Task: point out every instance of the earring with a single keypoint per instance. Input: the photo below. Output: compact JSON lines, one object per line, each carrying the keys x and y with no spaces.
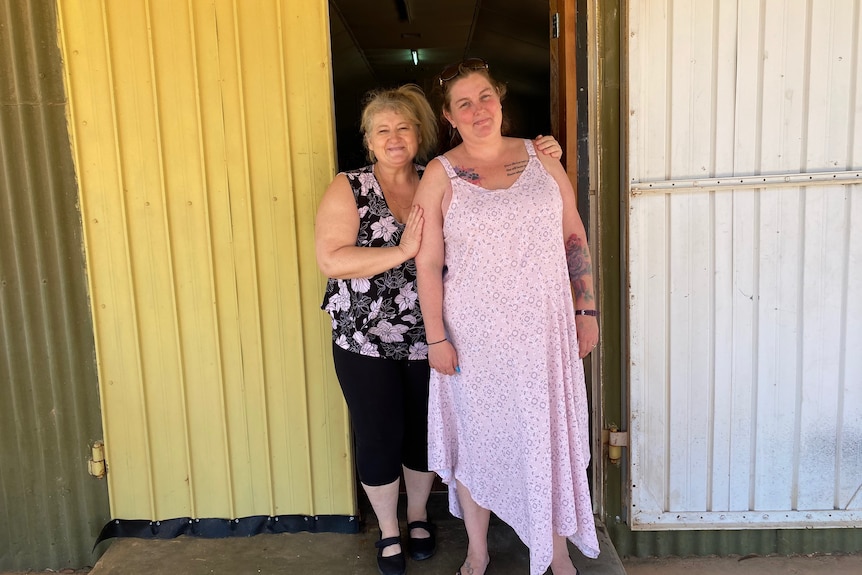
{"x":454,"y":136}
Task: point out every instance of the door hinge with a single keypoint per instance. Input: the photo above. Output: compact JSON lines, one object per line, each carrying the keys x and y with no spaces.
{"x":96,"y":465}
{"x":615,"y":440}
{"x":555,"y":26}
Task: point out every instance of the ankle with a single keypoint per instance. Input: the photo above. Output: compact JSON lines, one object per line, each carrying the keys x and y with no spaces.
{"x":562,"y":565}
{"x":475,"y":564}
{"x":418,"y":515}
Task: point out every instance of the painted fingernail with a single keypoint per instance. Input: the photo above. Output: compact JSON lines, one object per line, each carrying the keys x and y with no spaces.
{"x":457,"y":369}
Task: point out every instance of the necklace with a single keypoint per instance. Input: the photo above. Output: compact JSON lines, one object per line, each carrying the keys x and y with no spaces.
{"x":394,"y":200}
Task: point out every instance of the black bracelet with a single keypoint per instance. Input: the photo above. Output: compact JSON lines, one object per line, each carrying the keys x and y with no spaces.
{"x":591,"y":312}
{"x":436,"y":342}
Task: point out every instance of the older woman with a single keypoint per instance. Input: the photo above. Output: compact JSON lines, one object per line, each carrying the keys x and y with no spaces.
{"x":503,"y":251}
{"x":367,"y":233}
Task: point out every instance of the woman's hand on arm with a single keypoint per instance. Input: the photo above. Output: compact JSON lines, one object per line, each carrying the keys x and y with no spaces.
{"x":434,"y":190}
{"x":336,"y":229}
{"x":578,"y":259}
{"x":549,"y":146}
{"x":411,"y":237}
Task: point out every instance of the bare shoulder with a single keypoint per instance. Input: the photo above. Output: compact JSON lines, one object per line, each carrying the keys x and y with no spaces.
{"x":339,"y":184}
{"x":338,"y":199}
{"x":433,"y":191}
{"x":338,"y":190}
{"x":515,"y":143}
{"x":434,"y":175}
{"x":454,"y":156}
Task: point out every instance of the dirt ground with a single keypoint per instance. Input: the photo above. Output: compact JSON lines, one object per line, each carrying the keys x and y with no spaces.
{"x":756,"y":565}
{"x":82,"y":571}
{"x":749,"y":565}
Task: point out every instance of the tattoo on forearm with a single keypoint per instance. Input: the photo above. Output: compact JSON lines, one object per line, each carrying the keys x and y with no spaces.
{"x":468,"y":174}
{"x":578,"y":259}
{"x":516,"y":167}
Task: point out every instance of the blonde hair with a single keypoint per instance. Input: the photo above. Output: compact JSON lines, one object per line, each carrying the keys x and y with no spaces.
{"x":409,"y":101}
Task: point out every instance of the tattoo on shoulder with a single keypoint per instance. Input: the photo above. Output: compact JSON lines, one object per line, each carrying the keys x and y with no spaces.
{"x":468,"y":174}
{"x":516,"y":167}
{"x":578,"y":260}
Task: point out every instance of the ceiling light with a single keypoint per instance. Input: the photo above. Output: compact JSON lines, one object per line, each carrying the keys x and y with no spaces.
{"x":415,"y":55}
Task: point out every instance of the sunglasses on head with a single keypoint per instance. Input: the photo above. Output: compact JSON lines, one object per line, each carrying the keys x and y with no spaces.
{"x":453,"y":70}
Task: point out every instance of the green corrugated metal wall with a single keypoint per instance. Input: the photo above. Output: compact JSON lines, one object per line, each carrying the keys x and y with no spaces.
{"x":51,"y":509}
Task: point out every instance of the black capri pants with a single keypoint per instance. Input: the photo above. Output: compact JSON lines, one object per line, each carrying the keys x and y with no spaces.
{"x":388,"y":404}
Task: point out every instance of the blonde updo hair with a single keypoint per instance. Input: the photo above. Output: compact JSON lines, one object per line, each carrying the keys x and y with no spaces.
{"x":409,"y":101}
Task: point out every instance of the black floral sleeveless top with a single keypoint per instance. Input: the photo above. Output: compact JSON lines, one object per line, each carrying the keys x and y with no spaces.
{"x":377,"y":316}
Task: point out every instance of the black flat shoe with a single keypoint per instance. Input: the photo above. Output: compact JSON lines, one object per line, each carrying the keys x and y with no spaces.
{"x":422,"y":549}
{"x":394,"y":564}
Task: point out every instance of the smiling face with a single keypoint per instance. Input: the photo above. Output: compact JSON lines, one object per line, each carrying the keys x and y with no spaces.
{"x":393,"y":140}
{"x":474,"y":106}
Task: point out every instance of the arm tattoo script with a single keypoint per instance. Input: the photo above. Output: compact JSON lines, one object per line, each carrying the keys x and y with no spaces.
{"x":468,"y":174}
{"x":577,"y":258}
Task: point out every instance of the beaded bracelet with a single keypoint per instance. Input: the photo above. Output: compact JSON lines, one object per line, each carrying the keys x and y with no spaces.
{"x":591,"y":312}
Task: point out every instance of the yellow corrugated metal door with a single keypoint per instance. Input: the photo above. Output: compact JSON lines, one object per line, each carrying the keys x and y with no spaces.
{"x":203,"y":138}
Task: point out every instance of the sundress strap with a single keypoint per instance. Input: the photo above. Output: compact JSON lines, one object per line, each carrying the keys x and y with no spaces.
{"x":450,"y":171}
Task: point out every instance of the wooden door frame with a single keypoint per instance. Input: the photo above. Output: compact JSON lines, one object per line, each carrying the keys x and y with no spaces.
{"x":566,"y":125}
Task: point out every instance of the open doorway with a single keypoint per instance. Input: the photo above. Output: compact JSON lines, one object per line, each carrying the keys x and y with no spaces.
{"x":373,"y":43}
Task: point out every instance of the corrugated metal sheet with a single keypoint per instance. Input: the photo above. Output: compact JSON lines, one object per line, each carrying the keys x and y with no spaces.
{"x":51,"y":510}
{"x":203,"y":138}
{"x":746,"y":381}
{"x":734,"y":542}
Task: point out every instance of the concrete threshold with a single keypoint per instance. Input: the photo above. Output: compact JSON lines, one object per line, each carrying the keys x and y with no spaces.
{"x":330,"y":553}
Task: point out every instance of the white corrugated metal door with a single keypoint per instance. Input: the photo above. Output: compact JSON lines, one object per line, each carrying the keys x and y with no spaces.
{"x":745,"y":263}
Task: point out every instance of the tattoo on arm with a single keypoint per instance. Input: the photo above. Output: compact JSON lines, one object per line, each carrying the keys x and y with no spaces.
{"x":468,"y":174}
{"x":578,"y":259}
{"x":516,"y":167}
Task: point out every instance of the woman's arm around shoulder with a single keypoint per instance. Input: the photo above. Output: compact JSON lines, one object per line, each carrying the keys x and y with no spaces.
{"x":337,"y":227}
{"x":548,"y":145}
{"x":578,"y":257}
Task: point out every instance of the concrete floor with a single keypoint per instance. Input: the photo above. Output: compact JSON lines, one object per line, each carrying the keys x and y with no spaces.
{"x":330,"y":553}
{"x":335,"y":554}
{"x":353,"y":554}
{"x":324,"y":553}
